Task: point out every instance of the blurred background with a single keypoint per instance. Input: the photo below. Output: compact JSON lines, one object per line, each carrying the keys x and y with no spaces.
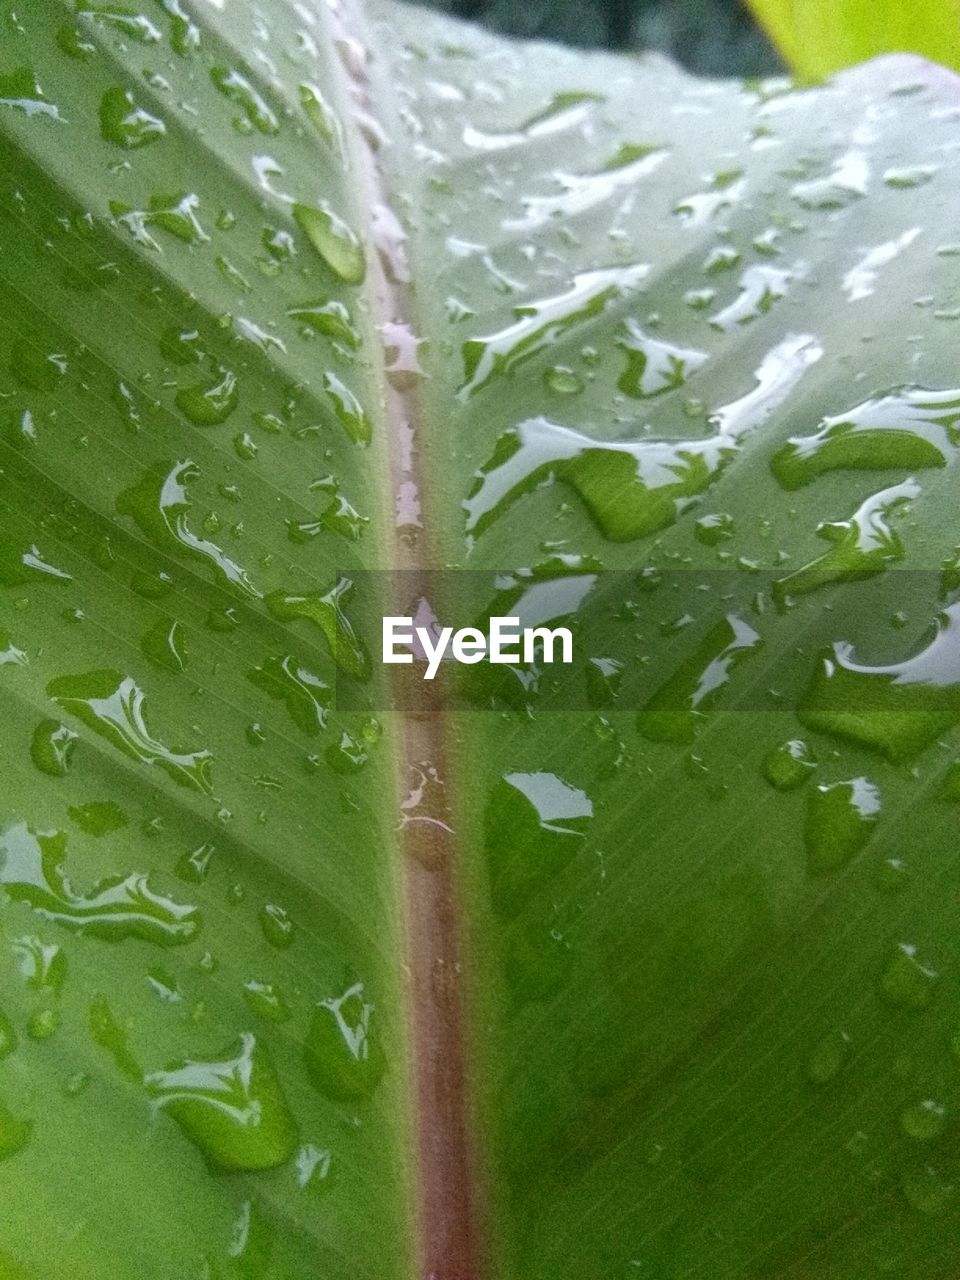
{"x":712,"y":37}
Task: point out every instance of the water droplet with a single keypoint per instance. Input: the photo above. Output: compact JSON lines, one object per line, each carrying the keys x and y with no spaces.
{"x":164,"y":985}
{"x":714,"y":528}
{"x":332,"y":319}
{"x":314,"y":1169}
{"x":245,"y":447}
{"x":342,"y":518}
{"x":891,"y":876}
{"x":540,"y":325}
{"x":159,"y":505}
{"x":722,"y":258}
{"x":860,"y":281}
{"x":232,"y":1108}
{"x":862,"y":546}
{"x":703,"y":207}
{"x":35,"y":368}
{"x":907,"y":429}
{"x":841,"y":817}
{"x":336,"y":243}
{"x":175,"y":214}
{"x":126,"y":124}
{"x":71,"y":40}
{"x":305,"y":695}
{"x":563,"y":111}
{"x":350,"y":413}
{"x":43,"y":1024}
{"x":924,"y":1120}
{"x":326,"y":612}
{"x":604,"y":677}
{"x":563,"y":380}
{"x":321,"y":115}
{"x":926,"y":1189}
{"x":909,"y":176}
{"x":905,"y":981}
{"x":194,"y":867}
{"x":654,"y":367}
{"x":896,"y":709}
{"x":827,"y":1058}
{"x":789,"y":765}
{"x":760,"y":287}
{"x":164,"y":645}
{"x":278,"y":928}
{"x":117,"y":907}
{"x":344,"y":1059}
{"x":845,"y":183}
{"x":674,"y":712}
{"x":21,"y":90}
{"x":52,"y":747}
{"x":184,"y":32}
{"x":242,"y":93}
{"x":208,"y":406}
{"x":118,"y":16}
{"x":114,"y":706}
{"x":534,"y":824}
{"x":10,"y":655}
{"x":580,"y":192}
{"x":267,"y":1000}
{"x":42,"y":965}
{"x":347,"y":755}
{"x":21,"y":565}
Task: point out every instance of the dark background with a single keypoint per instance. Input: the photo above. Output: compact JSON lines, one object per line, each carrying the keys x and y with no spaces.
{"x":712,"y":37}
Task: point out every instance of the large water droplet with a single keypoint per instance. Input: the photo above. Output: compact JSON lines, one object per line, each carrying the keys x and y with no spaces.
{"x":841,"y":817}
{"x":208,"y":406}
{"x":906,"y":981}
{"x":336,"y":243}
{"x":115,"y":908}
{"x":21,"y":90}
{"x":114,"y":706}
{"x":539,"y":325}
{"x":164,"y":645}
{"x":923,"y":1120}
{"x":52,"y":746}
{"x":125,"y":123}
{"x":674,"y":711}
{"x":326,"y":612}
{"x":350,"y":412}
{"x":908,"y":429}
{"x":862,"y":546}
{"x":231,"y":1108}
{"x":789,"y":765}
{"x":277,"y":925}
{"x":534,"y":824}
{"x":305,"y":695}
{"x":241,"y":92}
{"x":332,"y":319}
{"x":159,"y":505}
{"x":344,"y":1059}
{"x":654,"y":367}
{"x":898,"y":708}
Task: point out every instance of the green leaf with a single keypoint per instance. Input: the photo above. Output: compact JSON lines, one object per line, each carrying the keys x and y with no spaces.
{"x":647,"y":964}
{"x":818,"y":37}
